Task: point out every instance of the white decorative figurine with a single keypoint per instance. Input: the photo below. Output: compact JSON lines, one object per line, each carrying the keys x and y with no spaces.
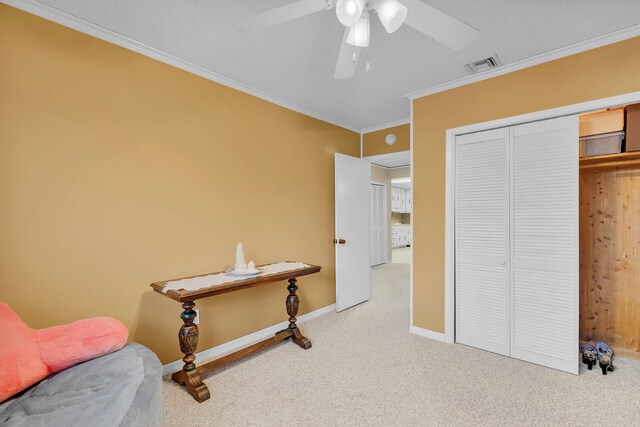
{"x":241,"y":264}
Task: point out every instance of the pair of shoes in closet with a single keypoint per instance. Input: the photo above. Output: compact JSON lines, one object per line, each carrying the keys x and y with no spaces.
{"x":601,"y":353}
{"x":605,"y":357}
{"x":589,"y":355}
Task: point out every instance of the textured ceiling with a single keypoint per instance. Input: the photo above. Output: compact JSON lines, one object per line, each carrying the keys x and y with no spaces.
{"x":391,"y":160}
{"x":295,"y":60}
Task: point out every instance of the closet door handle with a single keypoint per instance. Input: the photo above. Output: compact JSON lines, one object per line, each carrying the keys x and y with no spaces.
{"x":503,"y":262}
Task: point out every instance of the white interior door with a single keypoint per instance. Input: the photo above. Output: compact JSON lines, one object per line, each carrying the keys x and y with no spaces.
{"x":378,"y":225}
{"x":482,"y":240}
{"x":545,"y":255}
{"x":352,"y":200}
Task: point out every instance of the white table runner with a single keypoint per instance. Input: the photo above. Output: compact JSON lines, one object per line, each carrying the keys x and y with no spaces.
{"x":201,"y":282}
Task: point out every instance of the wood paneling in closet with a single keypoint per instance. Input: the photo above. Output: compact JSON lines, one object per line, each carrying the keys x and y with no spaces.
{"x":610,"y":259}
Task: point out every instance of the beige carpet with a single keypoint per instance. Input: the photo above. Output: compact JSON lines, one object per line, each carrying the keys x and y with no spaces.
{"x":365,"y":369}
{"x":401,"y":255}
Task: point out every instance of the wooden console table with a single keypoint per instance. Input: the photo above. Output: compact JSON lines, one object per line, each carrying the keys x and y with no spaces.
{"x":189,"y":375}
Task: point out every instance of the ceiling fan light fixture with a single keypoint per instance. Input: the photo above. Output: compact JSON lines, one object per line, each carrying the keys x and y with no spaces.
{"x":349,"y":11}
{"x":359,"y":33}
{"x":392,"y":14}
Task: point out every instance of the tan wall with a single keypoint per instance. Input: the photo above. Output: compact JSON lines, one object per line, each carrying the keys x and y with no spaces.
{"x":117,"y":170}
{"x":400,"y":172}
{"x":603,"y":72}
{"x":381,"y":175}
{"x":373,"y":143}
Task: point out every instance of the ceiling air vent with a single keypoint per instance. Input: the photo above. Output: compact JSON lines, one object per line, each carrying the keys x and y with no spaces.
{"x":484,"y":64}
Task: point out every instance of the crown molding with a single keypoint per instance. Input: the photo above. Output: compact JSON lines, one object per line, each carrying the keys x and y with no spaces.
{"x":583,"y":46}
{"x":63,"y":18}
{"x":386,"y":125}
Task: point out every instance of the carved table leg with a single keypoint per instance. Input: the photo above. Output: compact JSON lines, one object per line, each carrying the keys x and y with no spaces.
{"x":292,"y":303}
{"x":188,"y":338}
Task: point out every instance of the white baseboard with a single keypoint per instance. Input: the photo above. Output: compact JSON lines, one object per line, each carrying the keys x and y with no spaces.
{"x":244,"y":341}
{"x":437,"y":336}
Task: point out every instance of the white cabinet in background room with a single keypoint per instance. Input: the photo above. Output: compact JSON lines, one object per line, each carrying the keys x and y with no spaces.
{"x":397,"y":199}
{"x":400,"y":200}
{"x":400,"y":235}
{"x":394,"y":199}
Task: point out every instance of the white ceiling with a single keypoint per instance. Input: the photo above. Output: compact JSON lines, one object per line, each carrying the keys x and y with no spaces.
{"x":391,"y":160}
{"x":295,"y":61}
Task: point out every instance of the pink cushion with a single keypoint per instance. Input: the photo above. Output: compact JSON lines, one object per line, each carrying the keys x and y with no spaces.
{"x":28,"y":356}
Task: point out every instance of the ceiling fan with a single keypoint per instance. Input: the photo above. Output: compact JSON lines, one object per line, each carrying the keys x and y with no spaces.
{"x":355,"y":14}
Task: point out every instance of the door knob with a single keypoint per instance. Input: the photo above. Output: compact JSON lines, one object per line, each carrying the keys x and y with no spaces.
{"x":341,"y":241}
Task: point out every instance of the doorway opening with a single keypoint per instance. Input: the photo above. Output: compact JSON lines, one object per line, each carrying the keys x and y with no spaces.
{"x":373,"y":231}
{"x":391,"y":207}
{"x":391,"y":229}
{"x":401,"y":236}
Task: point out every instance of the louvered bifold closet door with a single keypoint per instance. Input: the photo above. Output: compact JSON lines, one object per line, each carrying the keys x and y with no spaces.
{"x":482,"y":240}
{"x":545,"y":243}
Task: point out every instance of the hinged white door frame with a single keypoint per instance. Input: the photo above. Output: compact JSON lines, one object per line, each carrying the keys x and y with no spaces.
{"x":614,"y":101}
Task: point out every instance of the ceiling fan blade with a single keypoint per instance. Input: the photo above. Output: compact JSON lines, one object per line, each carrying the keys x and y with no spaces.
{"x":278,"y":15}
{"x":438,"y":25}
{"x":346,"y":66}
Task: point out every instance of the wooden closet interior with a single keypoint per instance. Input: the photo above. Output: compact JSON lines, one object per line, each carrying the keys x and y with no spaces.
{"x":610,"y":230}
